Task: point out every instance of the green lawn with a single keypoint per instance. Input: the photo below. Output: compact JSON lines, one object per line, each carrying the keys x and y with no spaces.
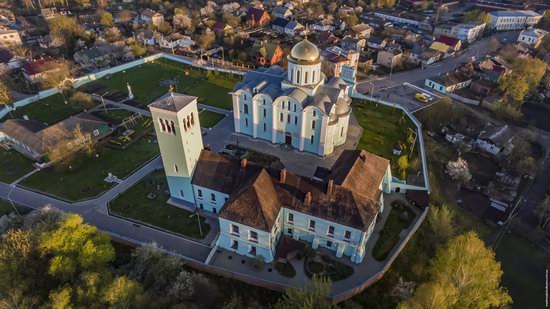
{"x":113,"y":116}
{"x":84,"y":177}
{"x":383,"y":127}
{"x":524,"y":267}
{"x":209,"y":119}
{"x":389,"y":236}
{"x":13,"y":165}
{"x":5,"y":208}
{"x":153,"y":210}
{"x":49,"y":110}
{"x":145,"y":82}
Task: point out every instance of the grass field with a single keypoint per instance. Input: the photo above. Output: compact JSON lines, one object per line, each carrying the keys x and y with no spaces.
{"x":145,"y":81}
{"x":209,"y":119}
{"x":5,"y":208}
{"x":13,"y":165}
{"x":84,"y":177}
{"x":49,"y":110}
{"x":137,"y":204}
{"x":113,"y":116}
{"x":524,"y":267}
{"x":389,"y":236}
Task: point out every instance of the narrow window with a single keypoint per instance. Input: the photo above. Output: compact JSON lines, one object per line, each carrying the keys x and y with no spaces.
{"x":330,"y":231}
{"x":281,"y":117}
{"x":313,"y":124}
{"x":162,"y":126}
{"x":305,"y":79}
{"x":265,"y":127}
{"x":290,"y":218}
{"x":176,"y":168}
{"x":347,"y":235}
{"x":288,"y":118}
{"x":234,"y":245}
{"x":283,"y":104}
{"x":311,"y":139}
{"x":253,"y":236}
{"x":246,"y":122}
{"x":246,"y":108}
{"x":199,"y":192}
{"x":264,"y":112}
{"x":342,"y":132}
{"x":234,"y":230}
{"x":295,"y":120}
{"x":192,"y":119}
{"x":329,"y":243}
{"x":291,"y":75}
{"x":289,"y":231}
{"x":252,"y":251}
{"x":294,"y":107}
{"x":298,"y":77}
{"x":181,"y":193}
{"x":173,"y":126}
{"x":288,"y":107}
{"x":313,"y":77}
{"x":312,"y":225}
{"x":314,"y":113}
{"x":213,"y":197}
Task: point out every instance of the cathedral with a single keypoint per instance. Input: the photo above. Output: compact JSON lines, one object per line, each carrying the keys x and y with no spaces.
{"x":300,"y":107}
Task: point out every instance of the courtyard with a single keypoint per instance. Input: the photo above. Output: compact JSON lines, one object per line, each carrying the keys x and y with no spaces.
{"x":83,"y":177}
{"x":210,"y":88}
{"x":145,"y":203}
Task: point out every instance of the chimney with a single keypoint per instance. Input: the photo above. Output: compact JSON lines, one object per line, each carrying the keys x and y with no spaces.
{"x":330,"y":187}
{"x":282,"y":176}
{"x":307,"y":199}
{"x":244,"y":163}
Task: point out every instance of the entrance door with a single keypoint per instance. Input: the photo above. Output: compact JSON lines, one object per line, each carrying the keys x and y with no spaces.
{"x":288,"y":139}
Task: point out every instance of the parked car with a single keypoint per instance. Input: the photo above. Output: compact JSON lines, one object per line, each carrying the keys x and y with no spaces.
{"x":421,"y":97}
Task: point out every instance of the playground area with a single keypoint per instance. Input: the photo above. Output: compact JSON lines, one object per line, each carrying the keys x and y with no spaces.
{"x":211,"y":88}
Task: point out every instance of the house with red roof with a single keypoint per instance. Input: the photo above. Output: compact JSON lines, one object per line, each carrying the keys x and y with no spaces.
{"x":257,"y":17}
{"x":35,"y":70}
{"x":446,"y":45}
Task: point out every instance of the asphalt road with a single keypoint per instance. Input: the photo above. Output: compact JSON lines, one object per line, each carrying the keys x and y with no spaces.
{"x":417,"y":76}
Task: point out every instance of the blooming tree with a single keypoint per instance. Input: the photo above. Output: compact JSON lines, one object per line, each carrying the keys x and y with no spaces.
{"x":459,"y":170}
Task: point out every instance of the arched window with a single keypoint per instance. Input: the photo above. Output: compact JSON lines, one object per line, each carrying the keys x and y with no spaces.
{"x":313,"y":77}
{"x":192,"y":119}
{"x":168,"y":127}
{"x":246,"y":108}
{"x":173,"y":126}
{"x":298,"y":77}
{"x":162,"y":125}
{"x":305,"y":79}
{"x":292,"y":75}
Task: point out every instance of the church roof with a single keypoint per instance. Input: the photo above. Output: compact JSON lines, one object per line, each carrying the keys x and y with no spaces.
{"x":173,"y":102}
{"x":305,"y":51}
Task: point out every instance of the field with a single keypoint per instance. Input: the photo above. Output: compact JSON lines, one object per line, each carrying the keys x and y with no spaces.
{"x":13,"y":165}
{"x":146,"y":203}
{"x":49,"y":110}
{"x":149,"y":81}
{"x":209,"y":119}
{"x":84,"y":176}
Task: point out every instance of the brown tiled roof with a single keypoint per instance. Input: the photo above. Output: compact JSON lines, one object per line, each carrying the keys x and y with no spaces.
{"x":257,"y":195}
{"x":360,"y":171}
{"x":42,"y":139}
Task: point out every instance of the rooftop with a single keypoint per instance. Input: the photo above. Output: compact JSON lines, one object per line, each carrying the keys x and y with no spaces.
{"x":173,"y":102}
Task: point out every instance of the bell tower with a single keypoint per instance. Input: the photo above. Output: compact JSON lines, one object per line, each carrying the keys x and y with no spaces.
{"x":176,"y":121}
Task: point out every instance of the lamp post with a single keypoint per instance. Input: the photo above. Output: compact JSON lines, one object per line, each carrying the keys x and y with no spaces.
{"x":198,"y":220}
{"x":11,"y":202}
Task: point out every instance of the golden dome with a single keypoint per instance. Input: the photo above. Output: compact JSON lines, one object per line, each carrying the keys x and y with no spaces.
{"x":305,"y":51}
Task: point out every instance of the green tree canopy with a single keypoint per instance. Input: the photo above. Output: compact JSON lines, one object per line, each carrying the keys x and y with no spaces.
{"x":314,"y":296}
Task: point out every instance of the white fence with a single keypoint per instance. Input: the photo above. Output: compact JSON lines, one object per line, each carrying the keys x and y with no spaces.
{"x":79,"y":81}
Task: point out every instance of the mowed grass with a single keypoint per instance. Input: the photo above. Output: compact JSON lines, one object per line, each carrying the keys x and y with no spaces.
{"x":524,"y":266}
{"x":146,"y":79}
{"x":209,"y":119}
{"x":84,"y":177}
{"x":389,"y":235}
{"x":49,"y":110}
{"x":13,"y":165}
{"x":146,"y":202}
{"x":383,"y":127}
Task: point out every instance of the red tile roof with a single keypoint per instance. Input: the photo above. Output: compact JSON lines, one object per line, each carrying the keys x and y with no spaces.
{"x":448,"y":41}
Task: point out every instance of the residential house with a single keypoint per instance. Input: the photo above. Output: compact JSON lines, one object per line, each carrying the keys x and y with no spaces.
{"x":389,"y":57}
{"x":93,"y":57}
{"x":446,"y":45}
{"x":443,"y":29}
{"x":532,"y":36}
{"x":362,"y":30}
{"x":326,"y":38}
{"x":8,"y":61}
{"x":492,"y":69}
{"x":175,"y":40}
{"x":293,"y":28}
{"x":266,"y":53}
{"x":49,"y":41}
{"x":376,"y":42}
{"x":334,"y":58}
{"x":421,"y":55}
{"x":36,"y":140}
{"x":279,"y":24}
{"x":222,"y":29}
{"x":282,"y":12}
{"x":324,"y":25}
{"x":257,"y":17}
{"x":401,"y":17}
{"x":356,"y":44}
{"x":34,"y":71}
{"x":49,"y":13}
{"x":151,"y":17}
{"x":468,"y":32}
{"x":147,"y":37}
{"x":449,"y":82}
{"x":513,"y":20}
{"x":9,"y":37}
{"x":497,"y":140}
{"x":483,"y":87}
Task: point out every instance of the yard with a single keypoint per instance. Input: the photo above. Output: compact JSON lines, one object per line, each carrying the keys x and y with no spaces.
{"x":209,"y":119}
{"x":383,"y":128}
{"x":13,"y":165}
{"x":114,"y":116}
{"x":483,"y":168}
{"x":84,"y":177}
{"x":49,"y":110}
{"x":146,"y":203}
{"x":524,"y":267}
{"x":400,"y":218}
{"x":151,"y":80}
